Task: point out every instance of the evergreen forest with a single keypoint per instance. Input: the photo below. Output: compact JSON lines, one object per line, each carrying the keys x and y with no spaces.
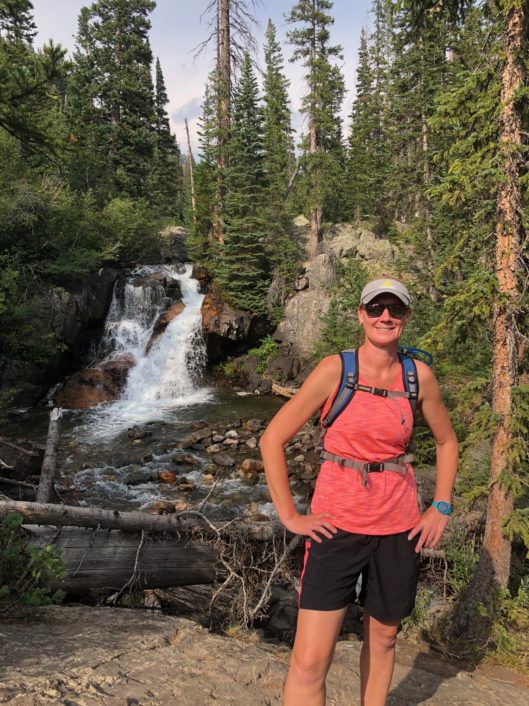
{"x":433,"y":157}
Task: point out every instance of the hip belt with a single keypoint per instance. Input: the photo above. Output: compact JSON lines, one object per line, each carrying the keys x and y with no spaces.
{"x":396,"y":464}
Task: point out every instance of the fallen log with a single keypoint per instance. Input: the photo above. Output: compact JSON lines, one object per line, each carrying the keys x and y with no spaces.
{"x":134,"y":520}
{"x":49,"y":464}
{"x":283,"y":391}
{"x":108,"y":560}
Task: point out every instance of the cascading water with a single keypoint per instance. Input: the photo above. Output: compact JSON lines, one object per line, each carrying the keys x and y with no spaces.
{"x":166,"y":369}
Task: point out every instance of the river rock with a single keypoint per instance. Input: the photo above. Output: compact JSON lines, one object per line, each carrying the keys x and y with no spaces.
{"x":248,"y":476}
{"x":251,"y":443}
{"x":159,"y":507}
{"x":198,"y":424}
{"x":137,"y":432}
{"x":208,"y":478}
{"x":167,"y":476}
{"x":214,"y":449}
{"x":254,"y":424}
{"x":252,"y":464}
{"x":181,"y":459}
{"x":232,"y":434}
{"x":232,"y":443}
{"x":223,"y":459}
{"x":139,"y":476}
{"x":217,"y":438}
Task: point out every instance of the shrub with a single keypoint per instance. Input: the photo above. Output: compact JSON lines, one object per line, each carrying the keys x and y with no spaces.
{"x":26,"y":572}
{"x":266,"y":352}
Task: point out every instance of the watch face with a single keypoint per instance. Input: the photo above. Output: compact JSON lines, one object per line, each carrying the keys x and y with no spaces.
{"x":444,"y":508}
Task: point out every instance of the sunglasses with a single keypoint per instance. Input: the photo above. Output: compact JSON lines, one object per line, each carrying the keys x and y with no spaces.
{"x":397,"y":310}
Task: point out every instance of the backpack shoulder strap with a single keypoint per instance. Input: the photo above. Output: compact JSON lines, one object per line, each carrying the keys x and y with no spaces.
{"x":347,"y":388}
{"x":410,"y":380}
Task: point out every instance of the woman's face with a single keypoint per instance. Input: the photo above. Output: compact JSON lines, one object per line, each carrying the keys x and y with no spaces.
{"x":384,"y":329}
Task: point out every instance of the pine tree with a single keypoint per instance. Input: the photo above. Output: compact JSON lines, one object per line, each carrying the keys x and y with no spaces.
{"x":278,"y":156}
{"x":479,"y":119}
{"x":111,"y":100}
{"x":360,"y":165}
{"x":201,"y":236}
{"x":166,"y":191}
{"x":28,"y":80}
{"x":16,"y":21}
{"x":243,"y":268}
{"x":324,"y":157}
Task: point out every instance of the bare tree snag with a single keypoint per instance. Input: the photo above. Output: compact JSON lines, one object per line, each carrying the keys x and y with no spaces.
{"x":49,"y":465}
{"x":509,"y":235}
{"x":190,"y":162}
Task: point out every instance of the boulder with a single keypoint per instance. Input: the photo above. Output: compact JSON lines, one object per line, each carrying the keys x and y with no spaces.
{"x":302,"y":325}
{"x":94,"y":386}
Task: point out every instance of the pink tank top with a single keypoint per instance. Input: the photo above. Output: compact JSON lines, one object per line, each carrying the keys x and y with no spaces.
{"x":371,"y":428}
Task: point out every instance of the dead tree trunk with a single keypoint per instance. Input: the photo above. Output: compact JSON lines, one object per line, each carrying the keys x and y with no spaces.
{"x":190,"y":162}
{"x":49,"y":465}
{"x":509,"y":236}
{"x":133,"y":521}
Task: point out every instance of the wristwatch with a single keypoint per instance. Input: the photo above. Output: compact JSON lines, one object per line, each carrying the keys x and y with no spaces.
{"x":443,"y":507}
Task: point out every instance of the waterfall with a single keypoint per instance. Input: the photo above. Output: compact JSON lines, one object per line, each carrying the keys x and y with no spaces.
{"x":165,"y":374}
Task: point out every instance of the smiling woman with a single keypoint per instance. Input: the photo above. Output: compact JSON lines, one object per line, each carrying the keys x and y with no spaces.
{"x":364,"y":518}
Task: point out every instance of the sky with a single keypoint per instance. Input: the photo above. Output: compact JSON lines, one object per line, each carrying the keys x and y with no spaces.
{"x":177,"y":29}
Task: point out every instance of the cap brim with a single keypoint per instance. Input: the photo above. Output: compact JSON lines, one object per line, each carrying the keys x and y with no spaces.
{"x":373,"y":295}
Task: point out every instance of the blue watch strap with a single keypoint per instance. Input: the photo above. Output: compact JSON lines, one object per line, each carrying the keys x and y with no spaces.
{"x":443,"y":507}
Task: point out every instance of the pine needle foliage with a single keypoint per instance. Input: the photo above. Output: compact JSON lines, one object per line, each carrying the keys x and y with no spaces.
{"x":243,"y":268}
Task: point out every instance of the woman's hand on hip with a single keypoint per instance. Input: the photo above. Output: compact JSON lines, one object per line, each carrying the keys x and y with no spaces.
{"x":430,"y":529}
{"x":311,"y":525}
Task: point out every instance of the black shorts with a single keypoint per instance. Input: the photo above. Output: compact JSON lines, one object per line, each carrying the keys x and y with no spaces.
{"x":389,"y":566}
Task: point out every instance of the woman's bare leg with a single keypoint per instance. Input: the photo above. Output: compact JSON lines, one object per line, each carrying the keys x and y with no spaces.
{"x":377,"y":660}
{"x":316,"y":635}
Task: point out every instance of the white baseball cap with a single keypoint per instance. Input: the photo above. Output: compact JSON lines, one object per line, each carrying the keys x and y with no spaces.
{"x":384,"y":286}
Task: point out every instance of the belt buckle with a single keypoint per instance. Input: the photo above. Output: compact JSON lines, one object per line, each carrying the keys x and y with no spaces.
{"x":375,"y":467}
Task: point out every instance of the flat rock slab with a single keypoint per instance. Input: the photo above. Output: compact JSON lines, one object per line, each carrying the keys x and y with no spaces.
{"x":82,"y":656}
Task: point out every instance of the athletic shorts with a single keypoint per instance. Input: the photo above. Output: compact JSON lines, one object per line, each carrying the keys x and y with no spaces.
{"x":388,"y":564}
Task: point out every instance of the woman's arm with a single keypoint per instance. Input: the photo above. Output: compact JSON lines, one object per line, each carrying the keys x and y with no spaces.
{"x":432,"y":524}
{"x":286,"y":423}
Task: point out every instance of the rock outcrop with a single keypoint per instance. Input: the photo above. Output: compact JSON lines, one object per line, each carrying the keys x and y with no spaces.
{"x":114,"y":656}
{"x":227,"y":330}
{"x":97,"y":385}
{"x":69,"y":312}
{"x":302,"y":325}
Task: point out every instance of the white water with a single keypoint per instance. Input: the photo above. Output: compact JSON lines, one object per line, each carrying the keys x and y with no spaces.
{"x":164,"y":377}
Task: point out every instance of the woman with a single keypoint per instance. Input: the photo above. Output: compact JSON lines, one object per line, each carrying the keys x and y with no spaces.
{"x":361,"y":522}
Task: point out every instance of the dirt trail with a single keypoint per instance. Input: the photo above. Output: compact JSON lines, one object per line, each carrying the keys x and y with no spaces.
{"x":81,"y":656}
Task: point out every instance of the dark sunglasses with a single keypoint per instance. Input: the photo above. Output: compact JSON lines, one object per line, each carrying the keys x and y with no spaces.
{"x":397,"y":310}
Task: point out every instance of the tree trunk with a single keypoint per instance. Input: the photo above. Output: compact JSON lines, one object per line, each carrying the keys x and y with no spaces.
{"x":509,"y":233}
{"x":133,"y":521}
{"x":100,"y":559}
{"x":315,"y":214}
{"x":191,"y":177}
{"x":49,"y":465}
{"x":223,"y":107}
